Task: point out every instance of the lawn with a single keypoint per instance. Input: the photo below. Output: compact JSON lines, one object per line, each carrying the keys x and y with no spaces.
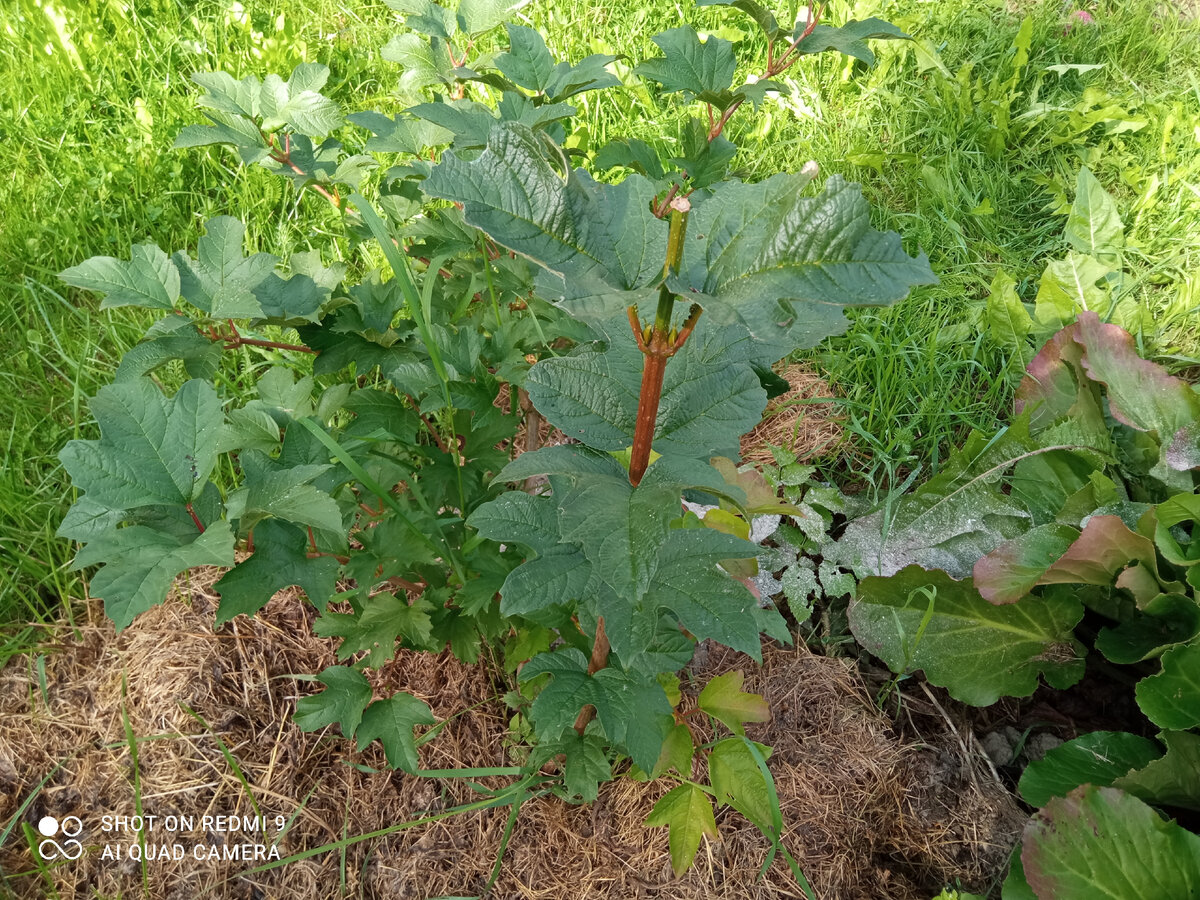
{"x":967,"y":141}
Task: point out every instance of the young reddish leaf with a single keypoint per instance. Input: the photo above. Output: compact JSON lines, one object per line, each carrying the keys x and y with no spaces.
{"x":1104,"y":548}
{"x":1009,"y":572}
{"x":724,"y":700}
{"x":687,"y":811}
{"x":392,"y":720}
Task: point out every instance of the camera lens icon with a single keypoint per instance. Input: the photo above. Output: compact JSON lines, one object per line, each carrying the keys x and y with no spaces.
{"x":70,"y":827}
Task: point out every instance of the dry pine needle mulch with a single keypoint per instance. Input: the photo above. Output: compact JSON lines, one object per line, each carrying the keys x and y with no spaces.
{"x":868,"y":813}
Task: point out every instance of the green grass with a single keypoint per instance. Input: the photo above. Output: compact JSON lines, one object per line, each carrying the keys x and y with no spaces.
{"x":965,"y":155}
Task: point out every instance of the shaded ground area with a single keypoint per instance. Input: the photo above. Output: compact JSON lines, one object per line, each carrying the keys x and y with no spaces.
{"x":869,"y":812}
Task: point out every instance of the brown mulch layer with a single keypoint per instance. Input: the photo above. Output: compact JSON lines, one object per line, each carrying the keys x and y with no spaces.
{"x":868,"y":812}
{"x":802,"y":420}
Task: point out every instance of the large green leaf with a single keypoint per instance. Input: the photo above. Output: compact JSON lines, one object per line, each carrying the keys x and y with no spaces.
{"x":1172,"y":779}
{"x":850,"y":38}
{"x":979,"y":652}
{"x":601,"y":240}
{"x":951,"y":521}
{"x":1171,"y":699}
{"x":787,"y":263}
{"x":1069,"y":287}
{"x":690,"y":65}
{"x":760,"y":14}
{"x":148,"y":279}
{"x":1140,"y":393}
{"x":688,"y":813}
{"x":1098,"y":758}
{"x":1165,"y":621}
{"x":392,"y":720}
{"x":139,"y":565}
{"x":152,"y":449}
{"x":708,"y":602}
{"x":1101,"y":842}
{"x":710,"y":397}
{"x":280,"y":559}
{"x":738,"y":781}
{"x":297,"y":102}
{"x":271,"y":489}
{"x":1094,"y":226}
{"x":634,"y":711}
{"x":222,"y":280}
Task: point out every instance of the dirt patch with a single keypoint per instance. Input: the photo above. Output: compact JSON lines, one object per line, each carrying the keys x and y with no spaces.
{"x":800,"y":420}
{"x":867,"y":812}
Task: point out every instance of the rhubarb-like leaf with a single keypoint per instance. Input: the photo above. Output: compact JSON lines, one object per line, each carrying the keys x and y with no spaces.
{"x":951,"y":521}
{"x":1171,"y":699}
{"x":918,"y":619}
{"x":687,"y":811}
{"x":148,"y":279}
{"x":1172,"y":779}
{"x":346,"y":695}
{"x":139,"y":565}
{"x":1102,"y":842}
{"x":1094,"y":225}
{"x":1009,"y":572}
{"x":392,"y":720}
{"x":152,"y":449}
{"x":280,"y":559}
{"x":1098,"y":758}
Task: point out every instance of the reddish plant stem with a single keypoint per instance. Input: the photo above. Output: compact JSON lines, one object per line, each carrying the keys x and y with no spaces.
{"x":598,"y":661}
{"x":272,"y":345}
{"x":195,"y":518}
{"x":284,"y":158}
{"x":658,"y":346}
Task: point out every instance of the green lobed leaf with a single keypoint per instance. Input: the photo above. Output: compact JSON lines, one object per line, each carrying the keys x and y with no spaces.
{"x":724,"y":700}
{"x":977,"y":651}
{"x":1007,"y":319}
{"x":280,"y":559}
{"x":689,"y":64}
{"x":1099,"y":758}
{"x":152,"y":449}
{"x":687,"y":811}
{"x":600,"y":240}
{"x":1102,"y":842}
{"x":762,"y":16}
{"x":139,"y":565}
{"x":850,"y":38}
{"x":298,"y":103}
{"x":527,"y":62}
{"x":585,"y":765}
{"x":634,"y":712}
{"x":1171,"y":699}
{"x":785,"y":264}
{"x":148,"y":279}
{"x":708,"y":602}
{"x":271,"y":489}
{"x":346,"y":695}
{"x":174,"y":337}
{"x":392,"y":720}
{"x":222,"y":280}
